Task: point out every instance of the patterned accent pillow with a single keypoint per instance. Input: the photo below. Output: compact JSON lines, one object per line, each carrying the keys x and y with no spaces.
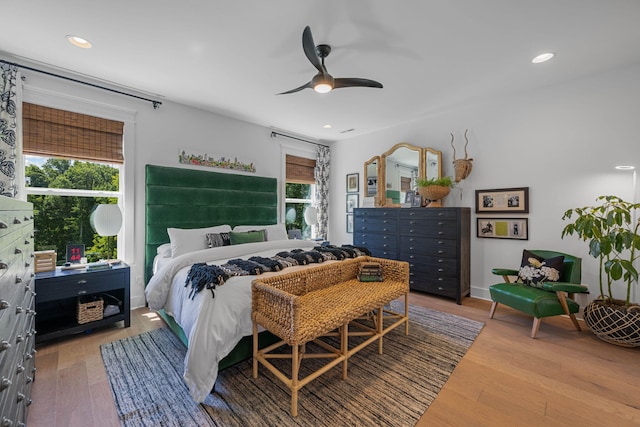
{"x":215,"y":240}
{"x":535,"y":270}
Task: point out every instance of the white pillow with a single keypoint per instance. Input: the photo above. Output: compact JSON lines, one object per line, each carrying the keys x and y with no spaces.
{"x":185,"y":240}
{"x":274,"y":231}
{"x":164,"y":250}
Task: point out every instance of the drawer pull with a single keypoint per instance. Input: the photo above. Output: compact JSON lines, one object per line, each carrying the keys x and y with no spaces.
{"x":4,"y":383}
{"x":4,"y":304}
{"x":440,"y":270}
{"x":20,"y":398}
{"x":82,"y":282}
{"x":19,"y":338}
{"x":411,"y":257}
{"x":17,"y":221}
{"x":3,"y":224}
{"x":440,"y":233}
{"x":440,"y":260}
{"x":440,"y":288}
{"x":440,"y":252}
{"x":6,"y":422}
{"x":18,"y":279}
{"x":26,"y":242}
{"x":440,"y":279}
{"x":28,"y":402}
{"x":20,"y":369}
{"x":412,"y":222}
{"x":29,"y":380}
{"x":27,"y":265}
{"x":5,"y":345}
{"x":82,"y":292}
{"x":19,"y":310}
{"x":3,"y":265}
{"x":17,"y":251}
{"x":26,"y":218}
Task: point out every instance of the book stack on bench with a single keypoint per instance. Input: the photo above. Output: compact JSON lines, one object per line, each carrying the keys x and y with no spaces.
{"x":370,"y":272}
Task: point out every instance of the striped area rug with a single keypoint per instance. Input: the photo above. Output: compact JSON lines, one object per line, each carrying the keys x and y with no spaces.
{"x":392,"y":389}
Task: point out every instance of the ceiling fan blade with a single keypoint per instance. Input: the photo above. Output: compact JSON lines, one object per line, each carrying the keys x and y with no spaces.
{"x":310,"y":49}
{"x":298,"y":89}
{"x":353,"y":82}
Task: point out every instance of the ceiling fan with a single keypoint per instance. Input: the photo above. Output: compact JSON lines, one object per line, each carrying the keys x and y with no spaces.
{"x":323,"y":82}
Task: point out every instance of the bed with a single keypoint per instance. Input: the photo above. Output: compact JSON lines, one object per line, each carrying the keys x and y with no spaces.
{"x":186,"y":204}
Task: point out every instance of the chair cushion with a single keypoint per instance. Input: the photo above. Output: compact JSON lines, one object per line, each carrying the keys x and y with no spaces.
{"x":534,"y":301}
{"x":535,"y":270}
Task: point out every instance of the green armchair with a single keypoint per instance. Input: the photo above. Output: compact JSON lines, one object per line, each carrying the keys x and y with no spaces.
{"x":548,"y":298}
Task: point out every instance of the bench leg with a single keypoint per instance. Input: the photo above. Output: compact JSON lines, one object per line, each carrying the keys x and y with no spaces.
{"x":255,"y":350}
{"x":493,"y":309}
{"x":536,"y":326}
{"x":379,"y":329}
{"x":294,"y":380}
{"x":344,"y":348}
{"x":406,"y":313}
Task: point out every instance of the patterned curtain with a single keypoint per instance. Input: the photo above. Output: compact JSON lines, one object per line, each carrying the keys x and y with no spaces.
{"x":9,"y":147}
{"x":322,"y":189}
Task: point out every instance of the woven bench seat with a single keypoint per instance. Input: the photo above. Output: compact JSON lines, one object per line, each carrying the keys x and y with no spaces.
{"x":323,"y":301}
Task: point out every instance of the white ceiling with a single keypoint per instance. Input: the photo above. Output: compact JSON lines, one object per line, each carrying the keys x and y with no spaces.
{"x":233,"y":57}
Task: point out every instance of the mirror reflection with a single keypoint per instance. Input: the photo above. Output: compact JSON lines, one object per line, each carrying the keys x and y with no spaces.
{"x":432,"y":163}
{"x":371,"y":177}
{"x":402,"y":166}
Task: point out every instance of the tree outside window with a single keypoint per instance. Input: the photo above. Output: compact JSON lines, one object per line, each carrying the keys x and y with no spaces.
{"x":298,"y":198}
{"x":64,"y":193}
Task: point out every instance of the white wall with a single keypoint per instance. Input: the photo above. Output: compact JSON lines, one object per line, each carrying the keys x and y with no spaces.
{"x":561,"y":141}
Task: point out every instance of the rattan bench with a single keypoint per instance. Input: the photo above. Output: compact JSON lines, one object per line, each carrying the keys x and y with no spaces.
{"x":325,"y":301}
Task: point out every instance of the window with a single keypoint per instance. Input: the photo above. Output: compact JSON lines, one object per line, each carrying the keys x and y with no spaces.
{"x":73,"y":162}
{"x":299,"y":193}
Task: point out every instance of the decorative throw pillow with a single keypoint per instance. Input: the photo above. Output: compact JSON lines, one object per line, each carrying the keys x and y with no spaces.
{"x":185,"y":240}
{"x":535,"y":270}
{"x":238,"y":238}
{"x":215,"y":240}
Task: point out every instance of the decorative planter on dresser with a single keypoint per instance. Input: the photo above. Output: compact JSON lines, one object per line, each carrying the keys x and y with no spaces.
{"x":435,"y":242}
{"x":17,"y":315}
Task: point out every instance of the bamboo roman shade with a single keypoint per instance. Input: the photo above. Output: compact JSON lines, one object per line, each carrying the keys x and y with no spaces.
{"x":51,"y":132}
{"x":300,"y":170}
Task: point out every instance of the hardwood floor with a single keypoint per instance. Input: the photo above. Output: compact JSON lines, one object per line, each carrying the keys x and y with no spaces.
{"x":562,"y":378}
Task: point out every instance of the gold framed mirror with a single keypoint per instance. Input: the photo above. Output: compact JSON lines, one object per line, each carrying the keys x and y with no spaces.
{"x":400,"y":166}
{"x":371,"y":179}
{"x":432,"y":163}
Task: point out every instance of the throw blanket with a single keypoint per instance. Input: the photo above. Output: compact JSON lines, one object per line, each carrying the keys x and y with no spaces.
{"x":202,"y":275}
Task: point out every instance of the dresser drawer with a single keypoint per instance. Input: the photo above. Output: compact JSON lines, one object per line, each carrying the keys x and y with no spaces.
{"x":432,"y":266}
{"x":444,"y":228}
{"x":421,"y":246}
{"x":430,"y":214}
{"x":373,"y":240}
{"x":444,"y":286}
{"x":375,"y":213}
{"x":375,"y":224}
{"x":71,"y":285}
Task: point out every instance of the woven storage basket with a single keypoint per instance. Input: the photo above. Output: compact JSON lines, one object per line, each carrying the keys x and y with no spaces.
{"x":434,"y":192}
{"x":612,"y":325}
{"x":90,"y":309}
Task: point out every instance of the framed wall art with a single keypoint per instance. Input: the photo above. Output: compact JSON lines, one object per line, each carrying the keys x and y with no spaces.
{"x":352,"y":202}
{"x":349,"y":223}
{"x":503,"y":200}
{"x":503,"y":228}
{"x":352,"y":183}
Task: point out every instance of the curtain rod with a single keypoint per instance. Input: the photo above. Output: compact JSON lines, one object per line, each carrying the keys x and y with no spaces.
{"x":274,"y":134}
{"x":156,"y":104}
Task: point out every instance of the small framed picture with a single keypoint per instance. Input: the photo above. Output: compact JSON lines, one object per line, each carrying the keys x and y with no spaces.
{"x":503,"y":228}
{"x":408,"y":198}
{"x":352,"y":183}
{"x":503,"y":200}
{"x":349,"y":223}
{"x":352,"y":202}
{"x":417,"y":201}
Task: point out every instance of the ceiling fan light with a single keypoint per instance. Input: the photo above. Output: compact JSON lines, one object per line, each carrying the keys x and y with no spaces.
{"x":322,"y":87}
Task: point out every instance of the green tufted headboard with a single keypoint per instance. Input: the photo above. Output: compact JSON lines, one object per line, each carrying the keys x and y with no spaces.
{"x":188,"y":198}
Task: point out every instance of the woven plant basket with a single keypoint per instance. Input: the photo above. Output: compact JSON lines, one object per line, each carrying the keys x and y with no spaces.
{"x":613,"y":325}
{"x":434,"y":192}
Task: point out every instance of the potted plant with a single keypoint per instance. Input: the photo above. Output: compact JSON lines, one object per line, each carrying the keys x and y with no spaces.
{"x":433,"y":190}
{"x":612,"y":232}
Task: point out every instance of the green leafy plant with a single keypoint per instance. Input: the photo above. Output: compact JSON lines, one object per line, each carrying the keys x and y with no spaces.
{"x":612,"y":233}
{"x":445,"y":181}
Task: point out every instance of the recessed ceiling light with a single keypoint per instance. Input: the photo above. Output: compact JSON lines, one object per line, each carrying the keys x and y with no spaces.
{"x":327,"y":126}
{"x":78,"y":41}
{"x":625,"y":168}
{"x":543,"y":57}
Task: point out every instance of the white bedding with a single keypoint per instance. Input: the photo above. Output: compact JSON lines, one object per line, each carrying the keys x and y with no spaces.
{"x":213,"y":325}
